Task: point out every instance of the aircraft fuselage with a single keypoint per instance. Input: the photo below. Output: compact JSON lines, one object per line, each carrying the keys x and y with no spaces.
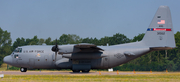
{"x":42,"y":57}
{"x":83,"y":57}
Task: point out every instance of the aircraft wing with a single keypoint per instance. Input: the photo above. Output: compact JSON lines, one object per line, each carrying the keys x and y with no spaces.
{"x":85,"y":47}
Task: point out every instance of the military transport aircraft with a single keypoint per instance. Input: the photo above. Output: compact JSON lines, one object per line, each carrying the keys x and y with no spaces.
{"x":84,"y":57}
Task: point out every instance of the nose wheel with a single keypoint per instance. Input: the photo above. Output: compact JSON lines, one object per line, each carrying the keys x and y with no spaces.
{"x":23,"y":69}
{"x":83,"y":71}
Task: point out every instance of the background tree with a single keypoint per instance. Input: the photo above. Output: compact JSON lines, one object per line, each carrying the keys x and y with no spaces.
{"x":41,"y":41}
{"x":34,"y":41}
{"x":48,"y":41}
{"x":5,"y":44}
{"x":87,"y":40}
{"x":156,"y":60}
{"x":69,"y":39}
{"x":138,"y":38}
{"x":91,"y":41}
{"x":119,"y":39}
{"x":19,"y":42}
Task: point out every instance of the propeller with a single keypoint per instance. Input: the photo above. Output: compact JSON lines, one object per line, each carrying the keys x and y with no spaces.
{"x":55,"y":49}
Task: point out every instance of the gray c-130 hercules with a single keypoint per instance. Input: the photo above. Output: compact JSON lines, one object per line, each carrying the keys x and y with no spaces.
{"x":84,"y":57}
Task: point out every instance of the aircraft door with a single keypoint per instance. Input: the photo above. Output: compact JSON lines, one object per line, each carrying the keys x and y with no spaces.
{"x":31,"y":63}
{"x":105,"y":62}
{"x":53,"y":59}
{"x":47,"y":60}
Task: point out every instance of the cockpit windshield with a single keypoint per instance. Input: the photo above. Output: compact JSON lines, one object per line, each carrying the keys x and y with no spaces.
{"x":18,"y":50}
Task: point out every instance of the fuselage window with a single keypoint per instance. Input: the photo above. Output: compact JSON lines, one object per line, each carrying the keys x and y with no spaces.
{"x":18,"y":50}
{"x":16,"y":56}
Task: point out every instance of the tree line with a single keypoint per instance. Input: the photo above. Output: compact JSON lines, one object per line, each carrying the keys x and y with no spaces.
{"x":155,"y":61}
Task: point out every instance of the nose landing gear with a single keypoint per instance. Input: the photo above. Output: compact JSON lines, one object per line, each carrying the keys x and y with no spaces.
{"x":83,"y":71}
{"x":23,"y":69}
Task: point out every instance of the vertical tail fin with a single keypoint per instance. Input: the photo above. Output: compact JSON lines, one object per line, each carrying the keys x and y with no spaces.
{"x":160,"y":32}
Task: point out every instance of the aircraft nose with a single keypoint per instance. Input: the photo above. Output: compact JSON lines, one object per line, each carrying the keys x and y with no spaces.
{"x":7,"y":59}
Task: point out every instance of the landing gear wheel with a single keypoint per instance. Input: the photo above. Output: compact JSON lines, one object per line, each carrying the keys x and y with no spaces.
{"x":76,"y":71}
{"x":23,"y":69}
{"x":85,"y":71}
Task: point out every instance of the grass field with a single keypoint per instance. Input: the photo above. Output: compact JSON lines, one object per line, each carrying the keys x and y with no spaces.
{"x":166,"y":77}
{"x":3,"y":67}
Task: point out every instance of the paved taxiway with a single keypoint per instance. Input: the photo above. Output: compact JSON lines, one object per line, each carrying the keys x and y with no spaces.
{"x":71,"y":73}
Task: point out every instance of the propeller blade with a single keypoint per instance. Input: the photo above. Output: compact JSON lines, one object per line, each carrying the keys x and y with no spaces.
{"x":55,"y":56}
{"x":55,"y":49}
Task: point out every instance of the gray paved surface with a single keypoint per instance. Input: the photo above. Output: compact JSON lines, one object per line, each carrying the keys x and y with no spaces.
{"x":71,"y":73}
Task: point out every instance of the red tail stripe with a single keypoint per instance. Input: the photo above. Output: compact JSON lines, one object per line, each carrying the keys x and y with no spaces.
{"x":161,"y":29}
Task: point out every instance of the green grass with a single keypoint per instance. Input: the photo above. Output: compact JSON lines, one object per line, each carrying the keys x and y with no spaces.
{"x":3,"y":67}
{"x":167,"y":77}
{"x":164,"y":77}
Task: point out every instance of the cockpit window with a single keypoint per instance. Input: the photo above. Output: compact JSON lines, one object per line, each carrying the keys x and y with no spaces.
{"x":18,"y":50}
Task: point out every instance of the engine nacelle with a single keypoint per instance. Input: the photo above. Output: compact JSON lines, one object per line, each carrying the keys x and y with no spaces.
{"x":68,"y":49}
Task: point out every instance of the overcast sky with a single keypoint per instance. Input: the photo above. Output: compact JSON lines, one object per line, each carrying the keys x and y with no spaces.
{"x":86,"y":18}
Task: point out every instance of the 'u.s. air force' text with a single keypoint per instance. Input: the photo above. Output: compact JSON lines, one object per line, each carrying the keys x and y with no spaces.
{"x":33,"y":51}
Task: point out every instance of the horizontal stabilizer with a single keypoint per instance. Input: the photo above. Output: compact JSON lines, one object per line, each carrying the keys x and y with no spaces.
{"x":129,"y":53}
{"x":161,"y":48}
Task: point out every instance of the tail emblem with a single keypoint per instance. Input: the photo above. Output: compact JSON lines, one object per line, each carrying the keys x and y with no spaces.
{"x":158,"y":29}
{"x":161,"y":22}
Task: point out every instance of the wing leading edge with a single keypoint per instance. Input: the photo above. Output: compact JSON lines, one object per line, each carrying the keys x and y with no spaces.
{"x":85,"y":47}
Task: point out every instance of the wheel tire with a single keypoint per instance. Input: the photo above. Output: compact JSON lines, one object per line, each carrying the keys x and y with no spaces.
{"x":23,"y":69}
{"x":76,"y":71}
{"x":85,"y":71}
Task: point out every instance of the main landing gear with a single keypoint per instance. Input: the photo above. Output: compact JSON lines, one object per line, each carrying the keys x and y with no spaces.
{"x":76,"y":71}
{"x":23,"y":69}
{"x":83,"y":71}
